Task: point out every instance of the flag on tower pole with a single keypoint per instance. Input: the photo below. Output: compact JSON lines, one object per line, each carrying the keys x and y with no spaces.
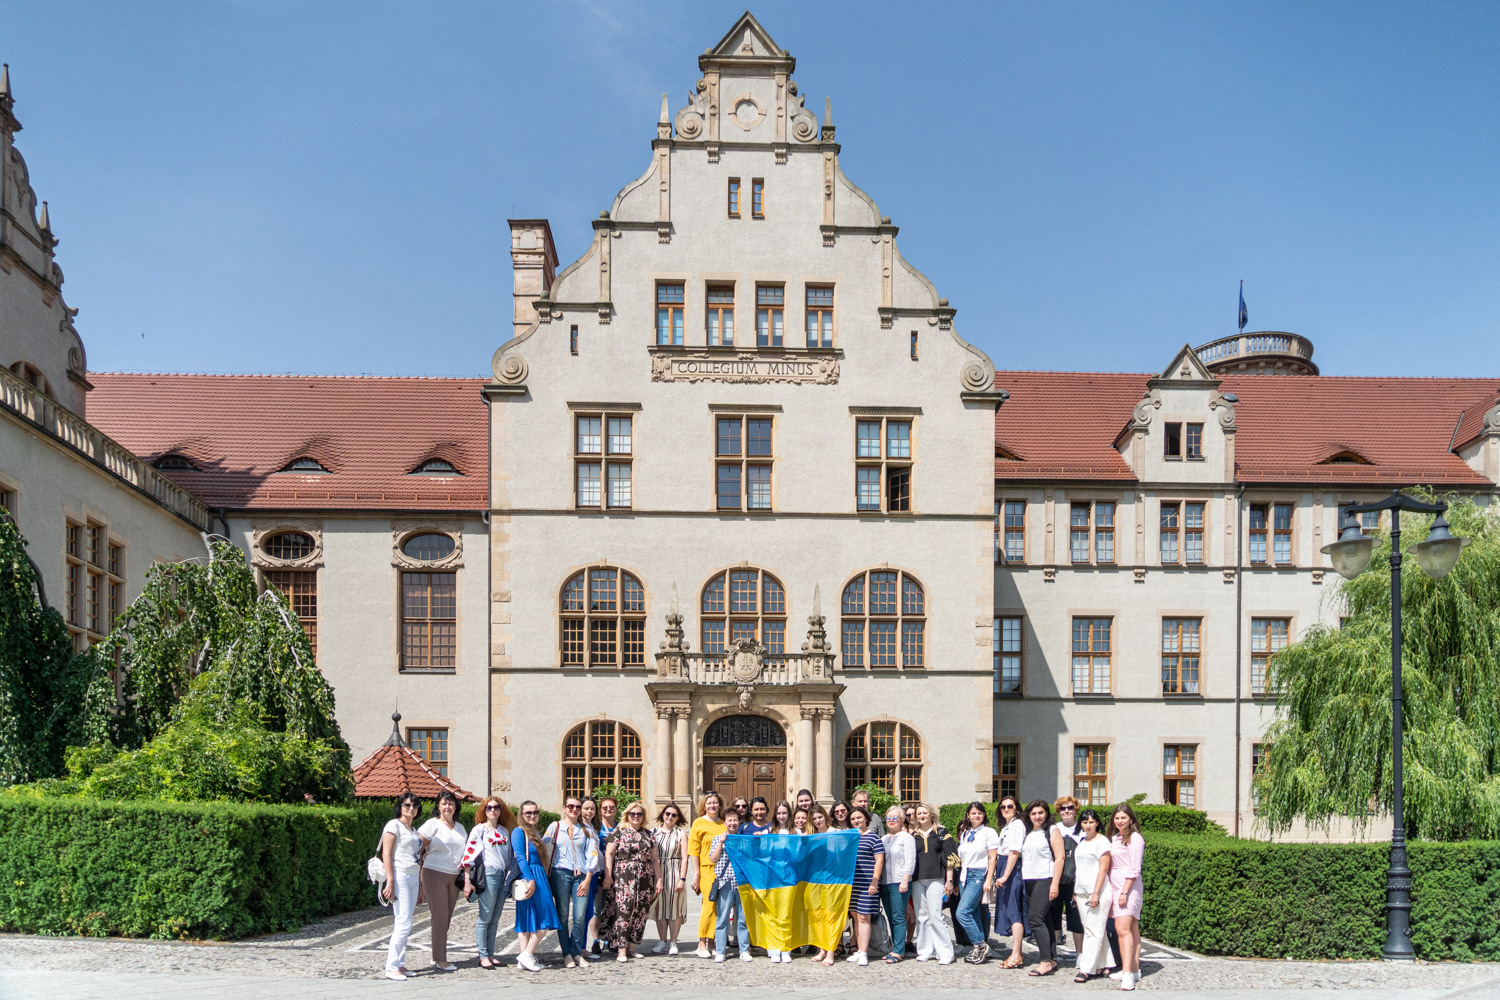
{"x":1244,"y":313}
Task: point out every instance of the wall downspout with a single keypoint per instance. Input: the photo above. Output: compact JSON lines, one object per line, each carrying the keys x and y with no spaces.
{"x":489,"y":599}
{"x":1239,"y":636}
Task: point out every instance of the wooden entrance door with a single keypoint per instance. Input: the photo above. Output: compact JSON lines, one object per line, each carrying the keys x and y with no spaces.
{"x":746,"y":776}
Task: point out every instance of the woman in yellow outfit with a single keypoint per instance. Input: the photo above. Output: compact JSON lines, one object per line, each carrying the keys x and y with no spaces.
{"x":706,"y":827}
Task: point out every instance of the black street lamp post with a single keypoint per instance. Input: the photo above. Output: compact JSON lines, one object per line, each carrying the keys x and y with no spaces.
{"x":1437,"y":555}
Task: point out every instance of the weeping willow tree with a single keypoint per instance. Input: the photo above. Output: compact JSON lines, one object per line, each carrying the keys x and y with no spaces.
{"x":1328,"y":755}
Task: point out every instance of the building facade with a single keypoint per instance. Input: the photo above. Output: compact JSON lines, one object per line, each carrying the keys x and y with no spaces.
{"x":740,"y":509}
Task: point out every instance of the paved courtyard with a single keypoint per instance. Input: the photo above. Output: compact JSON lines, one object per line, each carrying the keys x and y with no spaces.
{"x":345,"y":957}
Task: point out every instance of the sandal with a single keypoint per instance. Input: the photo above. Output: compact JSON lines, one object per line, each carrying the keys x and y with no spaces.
{"x":1038,"y":973}
{"x":1082,"y":977}
{"x":1014,"y":962}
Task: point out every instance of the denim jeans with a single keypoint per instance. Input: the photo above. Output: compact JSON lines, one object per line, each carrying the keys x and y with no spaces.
{"x":727,"y":900}
{"x":572,"y":922}
{"x":895,"y":912}
{"x":491,"y":903}
{"x":968,"y":905}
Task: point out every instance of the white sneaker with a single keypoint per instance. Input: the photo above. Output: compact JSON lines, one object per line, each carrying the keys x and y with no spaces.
{"x":393,"y":974}
{"x":529,"y":963}
{"x":1128,"y":983}
{"x":853,"y":957}
{"x":745,"y":955}
{"x":923,"y":958}
{"x":718,"y":956}
{"x":945,"y":961}
{"x":450,"y":967}
{"x":703,"y":952}
{"x":660,"y":949}
{"x":860,"y":958}
{"x":672,"y":950}
{"x":1117,"y":976}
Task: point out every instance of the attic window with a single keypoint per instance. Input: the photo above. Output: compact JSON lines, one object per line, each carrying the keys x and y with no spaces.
{"x":1346,"y":458}
{"x":1006,"y":455}
{"x":436,"y":467}
{"x":304,"y":464}
{"x":175,"y":462}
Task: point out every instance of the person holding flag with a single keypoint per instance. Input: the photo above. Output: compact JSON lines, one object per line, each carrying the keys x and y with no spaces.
{"x":725,"y":892}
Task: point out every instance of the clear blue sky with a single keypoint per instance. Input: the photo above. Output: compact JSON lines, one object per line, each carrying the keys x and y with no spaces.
{"x":323,"y":187}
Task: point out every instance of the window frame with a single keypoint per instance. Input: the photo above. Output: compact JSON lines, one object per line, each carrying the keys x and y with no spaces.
{"x":744,"y":462}
{"x":895,"y":473}
{"x":422,"y":745}
{"x":1093,"y":653}
{"x":1191,"y":534}
{"x":757,"y":197}
{"x":713,"y":333}
{"x":573,"y":341}
{"x":676,"y":320}
{"x":282,"y":577}
{"x":727,"y":618}
{"x":624,"y":624}
{"x":998,"y":653}
{"x":773,"y":330}
{"x":1192,"y":442}
{"x":1175,"y":778}
{"x":604,"y":459}
{"x":1171,"y":435}
{"x":1172,"y":532}
{"x":93,"y":567}
{"x":813,"y":328}
{"x":431,"y":569}
{"x":999,"y":775}
{"x":904,"y":624}
{"x":1260,"y":659}
{"x":1278,"y":533}
{"x":732,"y":208}
{"x":1179,"y":679}
{"x":856,"y":771}
{"x":1091,"y":786}
{"x":1008,"y":532}
{"x":599,"y":769}
{"x":1262,"y":533}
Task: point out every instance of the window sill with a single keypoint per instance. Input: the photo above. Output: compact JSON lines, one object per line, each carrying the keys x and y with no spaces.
{"x":429,"y":670}
{"x":1093,"y":696}
{"x":1182,"y":695}
{"x":1010,"y":696}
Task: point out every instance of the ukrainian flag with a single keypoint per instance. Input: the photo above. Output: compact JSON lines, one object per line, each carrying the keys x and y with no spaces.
{"x":795,"y":889}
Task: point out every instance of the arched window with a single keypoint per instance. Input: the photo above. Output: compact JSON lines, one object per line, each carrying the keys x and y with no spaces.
{"x":885,"y":623}
{"x":304,"y":464}
{"x":436,"y":467}
{"x":744,"y":604}
{"x":175,"y":463}
{"x":887,"y":753}
{"x":601,"y":753}
{"x":603,"y":619}
{"x":288,"y":545}
{"x":429,"y":606}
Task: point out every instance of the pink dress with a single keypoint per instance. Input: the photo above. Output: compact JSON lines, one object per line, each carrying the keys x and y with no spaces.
{"x":1125,"y":863}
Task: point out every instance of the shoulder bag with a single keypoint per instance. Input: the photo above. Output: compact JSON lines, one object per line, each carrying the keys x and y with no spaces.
{"x":523,"y":888}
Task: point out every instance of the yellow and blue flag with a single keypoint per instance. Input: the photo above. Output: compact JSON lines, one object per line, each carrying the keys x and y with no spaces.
{"x":795,"y":889}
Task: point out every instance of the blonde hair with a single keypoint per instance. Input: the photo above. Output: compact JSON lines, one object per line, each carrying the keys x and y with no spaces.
{"x":703,"y":804}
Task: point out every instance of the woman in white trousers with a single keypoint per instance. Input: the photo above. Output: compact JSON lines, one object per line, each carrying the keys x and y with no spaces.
{"x":401,"y":850}
{"x":931,"y":879}
{"x":1091,"y":891}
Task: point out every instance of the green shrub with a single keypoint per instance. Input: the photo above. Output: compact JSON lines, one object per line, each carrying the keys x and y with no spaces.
{"x":1152,"y":818}
{"x":1219,"y":895}
{"x":880,"y":799}
{"x":619,"y":793}
{"x":75,"y":866}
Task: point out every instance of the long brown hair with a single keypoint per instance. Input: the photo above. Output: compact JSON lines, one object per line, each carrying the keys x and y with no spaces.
{"x":1133,"y":828}
{"x":506,"y":818}
{"x":536,"y":839}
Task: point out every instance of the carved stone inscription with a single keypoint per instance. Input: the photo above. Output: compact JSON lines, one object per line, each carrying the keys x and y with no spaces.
{"x":743,"y":368}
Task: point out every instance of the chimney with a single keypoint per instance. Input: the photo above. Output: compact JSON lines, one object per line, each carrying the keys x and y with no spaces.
{"x":534,"y":259}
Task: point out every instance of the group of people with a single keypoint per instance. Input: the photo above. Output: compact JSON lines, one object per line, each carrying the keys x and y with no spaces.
{"x":597,"y":878}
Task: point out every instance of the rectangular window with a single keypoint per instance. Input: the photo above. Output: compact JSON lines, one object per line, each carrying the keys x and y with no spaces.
{"x":75,"y":531}
{"x":853,"y":651}
{"x":1179,"y":769}
{"x":1091,"y":774}
{"x":757,"y":438}
{"x":740,"y":438}
{"x":115,"y":561}
{"x":1192,"y":537}
{"x":1078,"y":527}
{"x":913,"y":644}
{"x":734,"y":197}
{"x":588,"y":435}
{"x":429,"y":626}
{"x":619,"y":485}
{"x":770,"y":307}
{"x":1007,"y":656}
{"x":729,"y":487}
{"x":432,"y":746}
{"x":819,"y":316}
{"x":95,"y":602}
{"x":116,"y":590}
{"x":75,"y":571}
{"x":1169,"y":532}
{"x":758,"y":487}
{"x":5,"y":500}
{"x":669,"y":303}
{"x":898,"y":490}
{"x":757,"y":197}
{"x":1005,"y":769}
{"x":301,"y":590}
{"x":1267,"y":636}
{"x":603,"y":642}
{"x":96,"y":544}
{"x":1091,"y":655}
{"x":867,"y":439}
{"x":572,"y":642}
{"x":914,"y":345}
{"x":713,"y":637}
{"x":868,"y":488}
{"x":1281,"y":526}
{"x":720,"y":315}
{"x":1104,"y":533}
{"x":1194,"y":441}
{"x":890,"y":465}
{"x":1015,"y":531}
{"x":1369,"y":521}
{"x":1171,"y":441}
{"x":1179,"y":655}
{"x":898,"y":439}
{"x":588,"y":484}
{"x":619,"y":435}
{"x":573,"y":340}
{"x":882,"y":644}
{"x":1257,"y":768}
{"x":1258,"y":534}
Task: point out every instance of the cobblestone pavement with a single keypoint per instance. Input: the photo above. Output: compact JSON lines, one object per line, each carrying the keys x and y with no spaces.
{"x":345,"y":956}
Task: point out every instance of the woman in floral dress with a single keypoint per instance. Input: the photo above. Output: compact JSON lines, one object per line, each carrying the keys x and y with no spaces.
{"x":632,"y":879}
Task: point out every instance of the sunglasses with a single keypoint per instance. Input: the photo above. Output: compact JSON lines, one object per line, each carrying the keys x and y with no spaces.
{"x":491,"y":809}
{"x":531,"y":812}
{"x":1067,"y":809}
{"x":572,"y":805}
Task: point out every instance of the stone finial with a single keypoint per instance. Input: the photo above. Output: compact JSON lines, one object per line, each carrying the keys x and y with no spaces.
{"x":45,"y":225}
{"x":817,"y":601}
{"x":395,"y":740}
{"x":7,"y":102}
{"x":664,"y":123}
{"x":664,"y":117}
{"x":828,"y":131}
{"x":674,"y":597}
{"x":4,"y":81}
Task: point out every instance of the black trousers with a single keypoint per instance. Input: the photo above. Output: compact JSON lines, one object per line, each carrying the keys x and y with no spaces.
{"x":1064,"y":907}
{"x":1038,"y":907}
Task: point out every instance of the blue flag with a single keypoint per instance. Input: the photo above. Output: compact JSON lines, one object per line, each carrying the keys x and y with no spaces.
{"x":1244,"y":313}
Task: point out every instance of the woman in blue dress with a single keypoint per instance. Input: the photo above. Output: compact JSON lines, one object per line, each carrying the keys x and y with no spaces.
{"x":537,"y":913}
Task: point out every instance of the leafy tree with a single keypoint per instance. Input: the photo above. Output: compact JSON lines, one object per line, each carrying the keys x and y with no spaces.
{"x":621,"y":796}
{"x":51,"y":697}
{"x":880,"y":799}
{"x":1329,"y":752}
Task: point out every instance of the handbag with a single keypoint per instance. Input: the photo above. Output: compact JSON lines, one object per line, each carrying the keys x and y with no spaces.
{"x":522,"y":888}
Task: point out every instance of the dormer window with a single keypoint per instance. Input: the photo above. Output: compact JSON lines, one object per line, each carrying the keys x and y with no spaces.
{"x":1346,"y":458}
{"x":175,"y":463}
{"x":1194,"y":442}
{"x":1172,"y":442}
{"x":436,"y":467}
{"x":1006,"y":455}
{"x":304,"y":465}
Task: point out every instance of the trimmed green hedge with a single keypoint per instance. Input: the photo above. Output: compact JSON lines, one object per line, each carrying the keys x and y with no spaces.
{"x":1152,"y":818}
{"x":1219,"y":895}
{"x":180,"y":870}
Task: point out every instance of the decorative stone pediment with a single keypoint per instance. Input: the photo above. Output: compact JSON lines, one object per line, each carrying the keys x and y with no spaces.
{"x":747,"y":39}
{"x":262,"y":531}
{"x":1185,"y":367}
{"x":400,"y":532}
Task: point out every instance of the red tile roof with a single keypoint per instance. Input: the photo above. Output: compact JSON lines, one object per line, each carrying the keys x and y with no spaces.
{"x":1472,"y":423}
{"x":240,"y":430}
{"x":1062,"y":425}
{"x":397,"y":768}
